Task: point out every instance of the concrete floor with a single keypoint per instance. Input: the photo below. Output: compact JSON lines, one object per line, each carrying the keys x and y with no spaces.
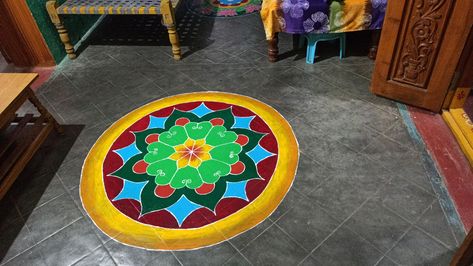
{"x":361,"y":195}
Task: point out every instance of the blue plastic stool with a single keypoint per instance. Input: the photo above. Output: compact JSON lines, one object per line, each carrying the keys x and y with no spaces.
{"x":312,"y":40}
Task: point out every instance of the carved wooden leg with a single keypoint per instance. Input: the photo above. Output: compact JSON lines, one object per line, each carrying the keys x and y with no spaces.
{"x":51,"y":7}
{"x":43,"y":111}
{"x":375,"y":35}
{"x":169,"y":20}
{"x":273,"y":49}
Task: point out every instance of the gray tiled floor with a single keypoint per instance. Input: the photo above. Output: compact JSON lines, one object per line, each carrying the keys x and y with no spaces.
{"x":361,"y":195}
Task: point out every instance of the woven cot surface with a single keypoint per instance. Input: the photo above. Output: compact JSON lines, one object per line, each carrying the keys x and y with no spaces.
{"x":111,"y":7}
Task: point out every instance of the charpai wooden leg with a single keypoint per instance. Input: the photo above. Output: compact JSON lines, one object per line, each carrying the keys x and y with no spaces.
{"x":51,"y":7}
{"x":375,"y":35}
{"x":43,"y":111}
{"x":169,"y":20}
{"x":273,"y":49}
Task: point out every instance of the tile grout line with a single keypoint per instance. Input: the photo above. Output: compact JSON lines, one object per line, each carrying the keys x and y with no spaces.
{"x":238,"y":252}
{"x":37,"y":243}
{"x":334,"y":230}
{"x":402,"y":235}
{"x":347,"y":218}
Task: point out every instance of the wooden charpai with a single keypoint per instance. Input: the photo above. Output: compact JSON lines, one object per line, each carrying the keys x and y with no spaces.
{"x":165,"y":8}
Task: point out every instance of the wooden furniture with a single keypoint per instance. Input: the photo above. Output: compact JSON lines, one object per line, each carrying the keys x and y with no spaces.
{"x":420,"y":48}
{"x":20,"y":137}
{"x":115,"y":7}
{"x":464,"y":255}
{"x":21,"y":39}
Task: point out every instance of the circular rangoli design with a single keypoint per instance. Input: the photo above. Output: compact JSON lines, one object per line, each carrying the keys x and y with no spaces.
{"x":189,"y":171}
{"x":225,"y":8}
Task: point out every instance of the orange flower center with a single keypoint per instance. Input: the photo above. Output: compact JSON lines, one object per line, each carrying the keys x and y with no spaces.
{"x":192,"y":153}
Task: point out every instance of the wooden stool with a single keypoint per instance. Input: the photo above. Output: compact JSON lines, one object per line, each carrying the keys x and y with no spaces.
{"x":20,"y":137}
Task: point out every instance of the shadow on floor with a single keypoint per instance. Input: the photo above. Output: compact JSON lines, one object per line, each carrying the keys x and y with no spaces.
{"x":30,"y":188}
{"x":146,"y":30}
{"x":358,"y":44}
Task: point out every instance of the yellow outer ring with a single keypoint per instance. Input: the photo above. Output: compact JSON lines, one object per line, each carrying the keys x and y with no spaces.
{"x":128,"y":231}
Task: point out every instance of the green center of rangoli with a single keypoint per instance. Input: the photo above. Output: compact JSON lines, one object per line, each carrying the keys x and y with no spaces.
{"x":191,"y":155}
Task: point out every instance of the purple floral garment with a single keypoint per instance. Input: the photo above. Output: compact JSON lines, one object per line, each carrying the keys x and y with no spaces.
{"x":324,"y":16}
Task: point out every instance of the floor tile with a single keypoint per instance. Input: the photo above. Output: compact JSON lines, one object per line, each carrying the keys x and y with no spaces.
{"x":70,"y":172}
{"x":290,"y":200}
{"x":386,"y":262}
{"x":274,"y":247}
{"x":417,"y":248}
{"x":378,"y":225}
{"x":59,"y":89}
{"x":8,"y":209}
{"x":394,"y":156}
{"x":99,"y":257}
{"x":16,"y":238}
{"x":237,"y":260}
{"x":52,"y":217}
{"x":219,"y":253}
{"x":242,"y":240}
{"x":310,"y":261}
{"x":126,"y":255}
{"x":404,"y":198}
{"x":340,"y":196}
{"x":434,"y":222}
{"x":34,"y":191}
{"x":30,"y":257}
{"x":310,"y":174}
{"x":338,"y":250}
{"x":307,"y":223}
{"x":70,"y":244}
{"x":305,"y":134}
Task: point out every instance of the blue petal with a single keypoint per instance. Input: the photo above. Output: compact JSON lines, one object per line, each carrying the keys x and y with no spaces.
{"x":156,"y":122}
{"x":131,"y":190}
{"x":127,"y":152}
{"x":243,"y":122}
{"x":182,"y":209}
{"x":258,"y":153}
{"x":236,"y":190}
{"x":201,"y":110}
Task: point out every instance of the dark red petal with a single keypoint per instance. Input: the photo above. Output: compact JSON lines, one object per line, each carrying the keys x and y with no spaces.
{"x":237,"y":168}
{"x":217,"y":121}
{"x":163,"y":191}
{"x":152,"y":138}
{"x":182,"y":121}
{"x":205,"y":189}
{"x":242,"y":140}
{"x":140,"y":167}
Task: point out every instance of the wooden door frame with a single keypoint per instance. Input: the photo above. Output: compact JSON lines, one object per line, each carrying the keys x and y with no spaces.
{"x":24,"y":43}
{"x":401,"y":43}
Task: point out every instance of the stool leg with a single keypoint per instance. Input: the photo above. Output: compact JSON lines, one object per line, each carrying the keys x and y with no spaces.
{"x":311,"y":50}
{"x":43,"y":111}
{"x":51,"y":7}
{"x":169,"y":20}
{"x":342,"y":45}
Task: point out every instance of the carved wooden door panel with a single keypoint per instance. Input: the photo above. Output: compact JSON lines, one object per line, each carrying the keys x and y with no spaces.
{"x":420,"y":47}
